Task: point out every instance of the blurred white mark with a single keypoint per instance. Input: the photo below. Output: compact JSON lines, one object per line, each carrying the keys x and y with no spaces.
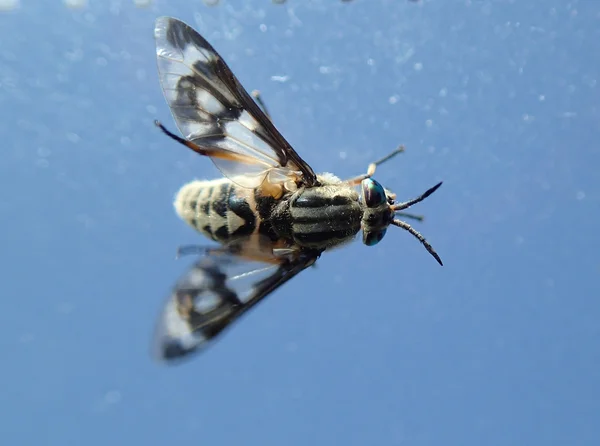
{"x":484,"y":76}
{"x":537,"y":29}
{"x":263,"y":27}
{"x":112,"y":397}
{"x":151,"y":109}
{"x":393,"y":99}
{"x":74,"y":4}
{"x":541,"y":98}
{"x":142,"y":3}
{"x":85,"y":220}
{"x":101,"y":61}
{"x":26,"y":338}
{"x":109,"y":399}
{"x":122,"y":167}
{"x":281,"y":79}
{"x":343,"y":155}
{"x":429,"y":123}
{"x":589,"y":81}
{"x":140,"y":74}
{"x":569,"y":114}
{"x":402,"y":58}
{"x":43,"y":152}
{"x":9,"y":5}
{"x":115,"y":8}
{"x":580,"y":195}
{"x":418,"y":66}
{"x":443,"y":93}
{"x":73,"y":137}
{"x":294,"y":20}
{"x":528,"y":118}
{"x":370,"y":62}
{"x":125,"y":140}
{"x":65,"y":308}
{"x":42,"y":163}
{"x":75,"y":55}
{"x":324,"y":70}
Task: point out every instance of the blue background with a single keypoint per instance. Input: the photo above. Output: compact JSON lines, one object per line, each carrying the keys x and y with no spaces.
{"x":376,"y":346}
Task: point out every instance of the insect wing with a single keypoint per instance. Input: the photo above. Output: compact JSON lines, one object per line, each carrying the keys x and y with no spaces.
{"x":212,"y":294}
{"x":214,"y":111}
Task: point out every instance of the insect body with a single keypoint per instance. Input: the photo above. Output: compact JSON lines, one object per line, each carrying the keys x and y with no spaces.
{"x":270,"y":207}
{"x":219,"y":209}
{"x":318,"y":217}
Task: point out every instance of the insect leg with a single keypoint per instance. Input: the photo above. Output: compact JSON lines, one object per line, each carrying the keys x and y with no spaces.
{"x":212,"y":152}
{"x":373,"y":166}
{"x":186,"y":250}
{"x":258,"y":98}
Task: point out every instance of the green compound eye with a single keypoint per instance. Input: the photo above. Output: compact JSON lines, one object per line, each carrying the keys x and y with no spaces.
{"x":373,"y":193}
{"x":372,"y":238}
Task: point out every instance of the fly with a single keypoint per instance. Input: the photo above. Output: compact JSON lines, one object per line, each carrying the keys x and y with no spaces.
{"x":269,"y":208}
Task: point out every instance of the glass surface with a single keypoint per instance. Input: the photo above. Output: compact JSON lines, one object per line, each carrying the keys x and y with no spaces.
{"x":376,"y":345}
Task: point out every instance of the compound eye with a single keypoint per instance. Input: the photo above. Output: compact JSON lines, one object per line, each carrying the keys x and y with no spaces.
{"x":373,"y":193}
{"x":373,"y":237}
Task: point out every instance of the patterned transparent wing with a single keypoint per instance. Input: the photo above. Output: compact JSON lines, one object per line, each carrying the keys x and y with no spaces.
{"x":214,"y":111}
{"x":214,"y":292}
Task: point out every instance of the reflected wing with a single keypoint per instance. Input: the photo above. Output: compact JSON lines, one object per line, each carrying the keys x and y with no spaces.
{"x":215,"y":291}
{"x":214,"y":111}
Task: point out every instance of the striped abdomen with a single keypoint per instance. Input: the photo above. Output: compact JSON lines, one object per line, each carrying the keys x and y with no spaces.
{"x":218,"y":209}
{"x":318,"y":218}
{"x":325,"y":216}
